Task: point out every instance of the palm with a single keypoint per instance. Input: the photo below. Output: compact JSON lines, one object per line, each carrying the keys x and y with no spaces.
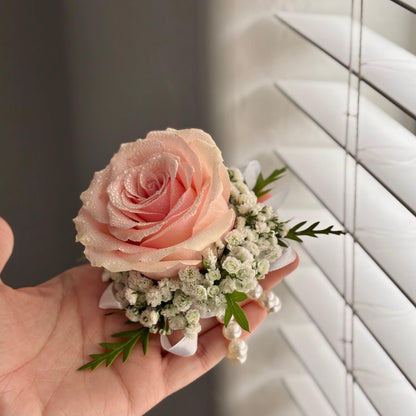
{"x":47,"y":332}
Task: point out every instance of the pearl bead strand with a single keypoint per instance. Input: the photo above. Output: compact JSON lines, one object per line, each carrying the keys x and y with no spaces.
{"x":238,"y":348}
{"x":270,"y":301}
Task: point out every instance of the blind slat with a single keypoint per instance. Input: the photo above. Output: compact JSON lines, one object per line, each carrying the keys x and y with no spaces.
{"x":408,"y":4}
{"x":326,"y":307}
{"x":326,"y":368}
{"x":324,"y":365}
{"x":386,"y":312}
{"x":386,"y":148}
{"x":382,"y":308}
{"x":387,"y":67}
{"x":374,"y":227}
{"x":308,"y":396}
{"x":383,"y":383}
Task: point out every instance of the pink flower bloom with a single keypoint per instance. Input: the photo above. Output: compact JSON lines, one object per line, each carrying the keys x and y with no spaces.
{"x":157,"y":206}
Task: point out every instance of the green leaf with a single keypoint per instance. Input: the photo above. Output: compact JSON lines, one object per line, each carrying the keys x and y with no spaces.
{"x":114,"y":312}
{"x":126,"y":334}
{"x":259,"y":187}
{"x":116,"y":348}
{"x":108,"y":345}
{"x":228,"y":314}
{"x":234,"y":309}
{"x":145,"y":341}
{"x":282,"y":243}
{"x":204,"y":264}
{"x":81,"y":259}
{"x":240,"y":317}
{"x":238,"y":296}
{"x":111,"y":357}
{"x":295,"y":232}
{"x":129,"y":347}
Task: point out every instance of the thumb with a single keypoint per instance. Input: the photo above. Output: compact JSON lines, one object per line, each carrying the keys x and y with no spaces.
{"x":6,"y":243}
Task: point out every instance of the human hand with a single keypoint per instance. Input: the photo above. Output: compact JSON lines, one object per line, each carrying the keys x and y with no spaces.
{"x":47,"y":332}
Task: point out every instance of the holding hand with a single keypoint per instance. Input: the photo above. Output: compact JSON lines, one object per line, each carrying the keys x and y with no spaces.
{"x":47,"y":331}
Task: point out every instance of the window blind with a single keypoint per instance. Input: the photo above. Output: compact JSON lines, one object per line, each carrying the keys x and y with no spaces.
{"x":329,"y":90}
{"x":362,"y":175}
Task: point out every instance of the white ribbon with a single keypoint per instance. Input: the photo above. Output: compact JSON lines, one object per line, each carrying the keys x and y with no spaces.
{"x":108,"y":300}
{"x":251,"y":173}
{"x":186,"y":347}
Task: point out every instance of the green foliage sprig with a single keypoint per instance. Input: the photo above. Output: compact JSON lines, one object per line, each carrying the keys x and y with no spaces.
{"x":295,"y":232}
{"x":259,"y":187}
{"x":116,"y":348}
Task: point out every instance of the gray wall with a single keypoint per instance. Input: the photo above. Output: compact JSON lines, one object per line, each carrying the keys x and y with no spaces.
{"x":78,"y":78}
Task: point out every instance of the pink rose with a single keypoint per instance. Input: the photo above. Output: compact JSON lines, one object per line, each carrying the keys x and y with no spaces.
{"x":157,"y":206}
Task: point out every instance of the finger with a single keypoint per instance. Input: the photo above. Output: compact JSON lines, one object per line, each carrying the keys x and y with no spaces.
{"x":212,"y":348}
{"x":6,"y":243}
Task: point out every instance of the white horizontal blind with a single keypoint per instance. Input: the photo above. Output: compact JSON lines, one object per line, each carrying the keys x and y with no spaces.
{"x":360,"y":345}
{"x":329,"y":90}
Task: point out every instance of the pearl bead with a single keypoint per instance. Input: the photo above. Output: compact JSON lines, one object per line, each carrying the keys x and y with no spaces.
{"x":256,"y":292}
{"x":220,"y":317}
{"x":268,"y":299}
{"x":240,"y":359}
{"x":232,"y":331}
{"x":237,"y":350}
{"x":275,"y":308}
{"x":238,"y":347}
